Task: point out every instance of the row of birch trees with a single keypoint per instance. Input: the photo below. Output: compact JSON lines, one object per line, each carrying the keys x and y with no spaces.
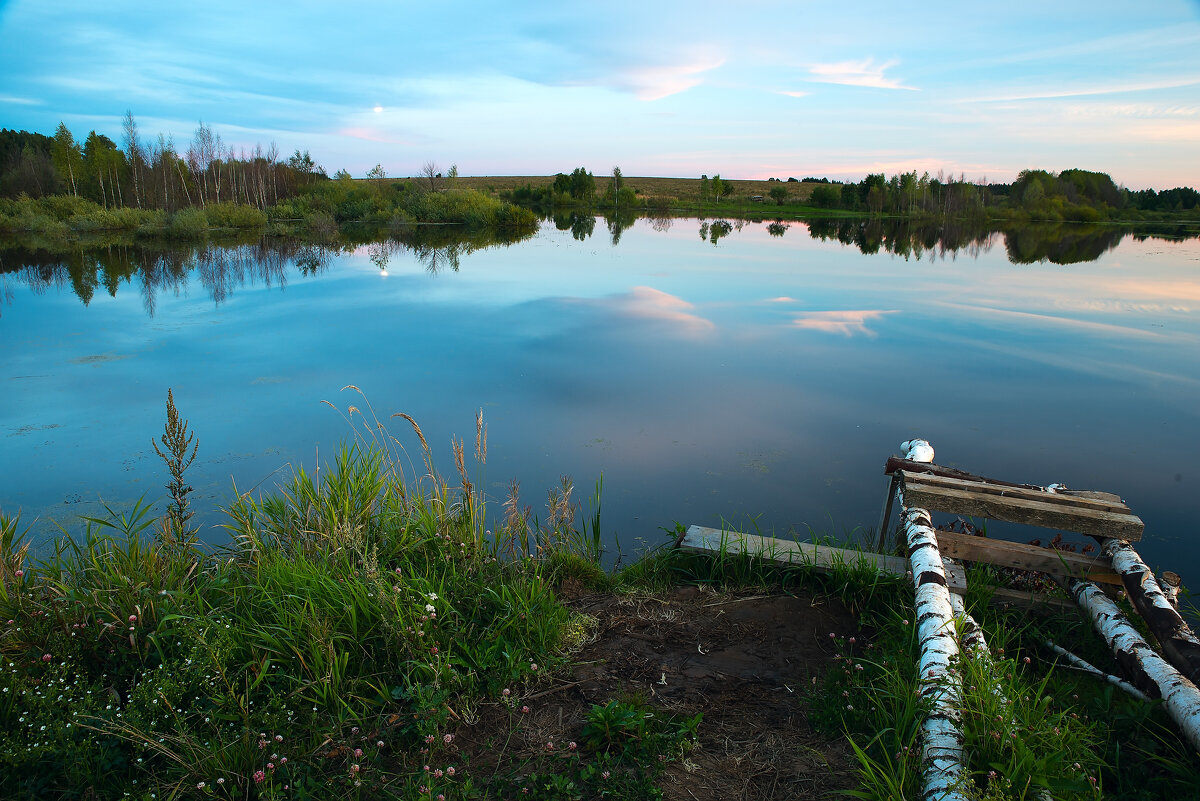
{"x":150,"y":173}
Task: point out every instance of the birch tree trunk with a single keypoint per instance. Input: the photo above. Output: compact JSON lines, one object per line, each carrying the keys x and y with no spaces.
{"x":1149,"y":671}
{"x":1179,"y":643}
{"x":938,"y":680}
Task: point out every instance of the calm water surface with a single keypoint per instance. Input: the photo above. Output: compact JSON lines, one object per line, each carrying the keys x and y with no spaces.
{"x":759,"y":379}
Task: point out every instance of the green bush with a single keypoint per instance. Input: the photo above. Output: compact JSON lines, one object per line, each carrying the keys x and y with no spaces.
{"x":64,"y":207}
{"x":188,"y":223}
{"x":234,"y":215}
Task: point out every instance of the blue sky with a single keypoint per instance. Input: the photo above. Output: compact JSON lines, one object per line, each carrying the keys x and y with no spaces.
{"x":747,"y":90}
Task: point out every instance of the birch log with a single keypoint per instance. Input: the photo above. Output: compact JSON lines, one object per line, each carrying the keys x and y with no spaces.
{"x":1149,"y":671}
{"x":938,"y":680}
{"x":1179,"y":643}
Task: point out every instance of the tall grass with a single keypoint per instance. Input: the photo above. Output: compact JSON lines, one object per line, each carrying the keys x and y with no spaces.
{"x":354,"y":616}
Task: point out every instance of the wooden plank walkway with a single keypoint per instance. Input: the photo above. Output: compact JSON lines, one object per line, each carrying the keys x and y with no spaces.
{"x":700,"y":539}
{"x":788,"y":552}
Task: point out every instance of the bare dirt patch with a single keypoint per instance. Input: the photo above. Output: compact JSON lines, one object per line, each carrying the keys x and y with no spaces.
{"x":747,"y":662}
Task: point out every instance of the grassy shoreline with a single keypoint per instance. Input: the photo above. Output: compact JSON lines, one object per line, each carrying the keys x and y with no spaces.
{"x":316,"y":213}
{"x":364,"y":620}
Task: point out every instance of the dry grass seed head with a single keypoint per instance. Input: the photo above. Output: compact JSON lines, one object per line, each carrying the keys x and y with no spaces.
{"x":416,"y":428}
{"x":460,"y":462}
{"x":480,"y":438}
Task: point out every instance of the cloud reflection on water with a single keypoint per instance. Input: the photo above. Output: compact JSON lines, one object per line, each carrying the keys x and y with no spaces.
{"x":847,"y":323}
{"x":648,"y":303}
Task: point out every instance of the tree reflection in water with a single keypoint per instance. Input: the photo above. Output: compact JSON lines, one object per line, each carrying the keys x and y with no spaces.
{"x":105,"y":263}
{"x":220,"y":266}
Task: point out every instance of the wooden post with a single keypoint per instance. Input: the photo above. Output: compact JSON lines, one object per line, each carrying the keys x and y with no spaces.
{"x":1179,"y":643}
{"x":938,"y":681}
{"x":886,"y":514}
{"x":1149,"y":671}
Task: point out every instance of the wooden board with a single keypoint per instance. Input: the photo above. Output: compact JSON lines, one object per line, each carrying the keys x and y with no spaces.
{"x":699,"y":539}
{"x":1097,"y":517}
{"x":1059,"y":564}
{"x":1002,"y":597}
{"x":820,"y":557}
{"x":896,"y":464}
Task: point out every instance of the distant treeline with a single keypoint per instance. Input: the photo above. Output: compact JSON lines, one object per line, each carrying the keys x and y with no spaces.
{"x":1071,"y":195}
{"x":56,"y":187}
{"x":1074,"y":195}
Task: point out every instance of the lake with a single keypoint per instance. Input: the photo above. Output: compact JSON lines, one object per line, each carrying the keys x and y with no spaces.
{"x":711,"y":371}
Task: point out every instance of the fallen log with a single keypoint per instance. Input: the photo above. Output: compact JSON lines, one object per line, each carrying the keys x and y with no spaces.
{"x":1149,"y":671}
{"x":1179,"y":643}
{"x":938,"y":681}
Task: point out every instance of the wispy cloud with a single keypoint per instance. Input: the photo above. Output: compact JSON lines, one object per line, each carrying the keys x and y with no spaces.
{"x":1084,"y":90}
{"x":655,"y":82}
{"x":1036,"y":318}
{"x":847,"y":323}
{"x":20,"y":101}
{"x":857,"y":73}
{"x":1151,"y":40}
{"x":794,"y":94}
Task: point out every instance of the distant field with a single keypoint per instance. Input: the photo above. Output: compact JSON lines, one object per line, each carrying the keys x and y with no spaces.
{"x":685,"y":190}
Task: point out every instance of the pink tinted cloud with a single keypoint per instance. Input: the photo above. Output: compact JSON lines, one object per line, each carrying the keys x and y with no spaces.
{"x":653,"y":304}
{"x":847,"y":323}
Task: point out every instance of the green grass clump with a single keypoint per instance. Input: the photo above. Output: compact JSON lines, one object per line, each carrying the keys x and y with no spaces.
{"x":327,"y":652}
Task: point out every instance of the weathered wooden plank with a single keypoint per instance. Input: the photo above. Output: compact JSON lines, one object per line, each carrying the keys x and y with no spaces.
{"x":821,"y":557}
{"x":1060,"y":564}
{"x":1048,"y":514}
{"x":1002,"y":596}
{"x":895,"y":463}
{"x":1106,"y":501}
{"x":700,"y":539}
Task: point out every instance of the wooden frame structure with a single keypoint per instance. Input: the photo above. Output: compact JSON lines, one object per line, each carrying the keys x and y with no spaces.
{"x":939,"y":581}
{"x":930,"y":486}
